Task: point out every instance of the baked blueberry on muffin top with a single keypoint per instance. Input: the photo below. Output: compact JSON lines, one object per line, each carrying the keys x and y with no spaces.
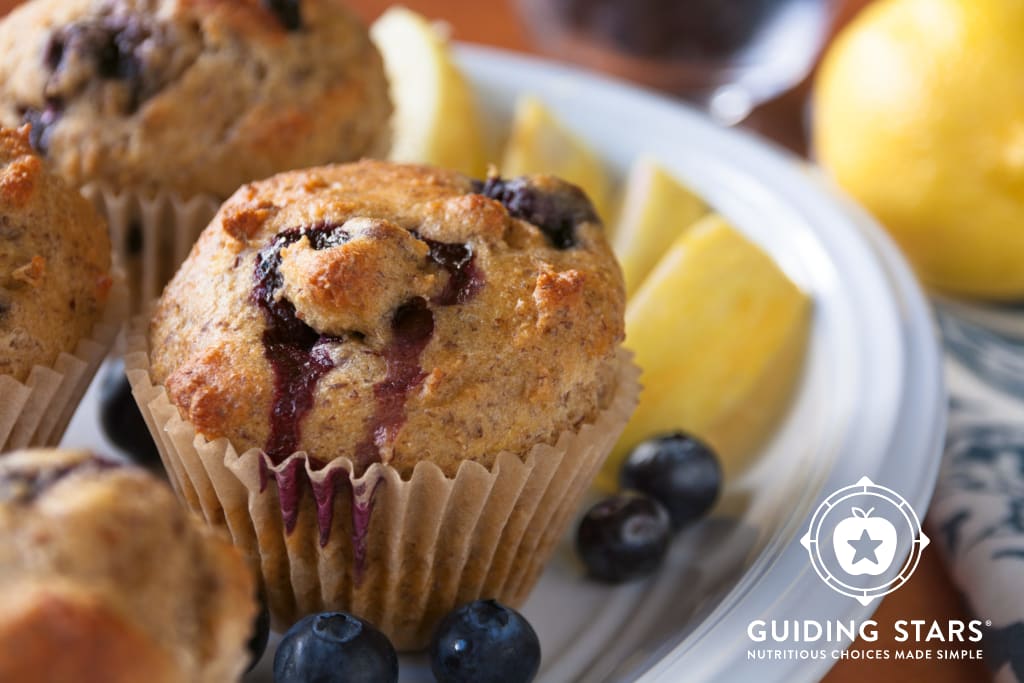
{"x":393,"y":313}
{"x":194,"y":97}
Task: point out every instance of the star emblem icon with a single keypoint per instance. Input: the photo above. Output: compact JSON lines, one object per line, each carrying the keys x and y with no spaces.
{"x":864,"y":548}
{"x":864,"y":541}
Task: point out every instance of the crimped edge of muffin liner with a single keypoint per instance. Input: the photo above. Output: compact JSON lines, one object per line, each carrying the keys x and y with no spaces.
{"x":35,"y":413}
{"x":168,"y":225}
{"x":433,"y":542}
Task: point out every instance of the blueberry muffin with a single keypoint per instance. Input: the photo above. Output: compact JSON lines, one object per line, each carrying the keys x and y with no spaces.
{"x":103,"y":577}
{"x":191,"y":97}
{"x":393,"y":314}
{"x":54,"y":264}
{"x":366,"y":339}
{"x":57,"y":297}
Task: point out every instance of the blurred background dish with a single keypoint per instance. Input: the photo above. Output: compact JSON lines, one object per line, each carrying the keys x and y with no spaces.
{"x":727,"y":56}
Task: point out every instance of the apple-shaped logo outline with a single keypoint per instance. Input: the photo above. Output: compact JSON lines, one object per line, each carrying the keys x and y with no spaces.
{"x":864,"y":487}
{"x":864,"y":544}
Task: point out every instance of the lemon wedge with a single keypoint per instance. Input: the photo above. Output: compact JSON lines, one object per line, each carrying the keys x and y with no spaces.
{"x":656,"y":209}
{"x":719,"y":332}
{"x":436,"y":119}
{"x":539,"y":143}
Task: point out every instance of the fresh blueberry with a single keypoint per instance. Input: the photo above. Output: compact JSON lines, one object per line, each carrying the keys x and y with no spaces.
{"x":624,"y":537}
{"x":334,"y":647}
{"x":484,"y":642}
{"x":260,"y":632}
{"x":679,"y":471}
{"x":121,"y":419}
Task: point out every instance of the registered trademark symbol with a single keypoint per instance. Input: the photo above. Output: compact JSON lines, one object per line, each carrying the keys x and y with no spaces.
{"x":988,"y":622}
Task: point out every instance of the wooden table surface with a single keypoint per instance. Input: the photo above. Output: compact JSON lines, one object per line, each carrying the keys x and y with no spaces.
{"x":929,"y":594}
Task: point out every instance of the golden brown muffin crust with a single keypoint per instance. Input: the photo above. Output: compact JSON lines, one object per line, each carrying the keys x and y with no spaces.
{"x":440,"y":326}
{"x":59,"y":634}
{"x":102,"y":570}
{"x":54,"y":261}
{"x":192,"y":96}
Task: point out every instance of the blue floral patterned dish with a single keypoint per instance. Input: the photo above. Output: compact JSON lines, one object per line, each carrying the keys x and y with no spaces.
{"x":978,"y":508}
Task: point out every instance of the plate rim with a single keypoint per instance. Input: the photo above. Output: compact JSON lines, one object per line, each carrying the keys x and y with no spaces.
{"x":920,"y":349}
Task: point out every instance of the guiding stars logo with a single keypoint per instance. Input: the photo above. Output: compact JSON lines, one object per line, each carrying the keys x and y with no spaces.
{"x":856,"y":534}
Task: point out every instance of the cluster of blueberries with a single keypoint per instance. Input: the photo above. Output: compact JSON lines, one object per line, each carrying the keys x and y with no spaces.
{"x":480,"y":642}
{"x":668,"y":482}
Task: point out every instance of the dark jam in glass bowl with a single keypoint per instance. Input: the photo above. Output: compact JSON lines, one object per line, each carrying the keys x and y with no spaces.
{"x":746,"y":51}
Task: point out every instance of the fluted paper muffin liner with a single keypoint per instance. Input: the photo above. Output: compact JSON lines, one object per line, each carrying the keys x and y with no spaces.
{"x":399,"y":553}
{"x":35,"y":413}
{"x":151,"y":234}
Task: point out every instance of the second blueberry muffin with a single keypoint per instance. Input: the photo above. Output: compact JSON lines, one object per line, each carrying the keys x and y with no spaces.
{"x":59,"y":302}
{"x":191,"y":97}
{"x":139,"y":101}
{"x":386,"y":344}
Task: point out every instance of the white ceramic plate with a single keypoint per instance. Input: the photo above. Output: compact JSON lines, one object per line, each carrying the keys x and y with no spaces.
{"x":871,"y":402}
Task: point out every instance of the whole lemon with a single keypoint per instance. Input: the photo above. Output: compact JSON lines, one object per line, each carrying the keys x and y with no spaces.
{"x":919,"y":114}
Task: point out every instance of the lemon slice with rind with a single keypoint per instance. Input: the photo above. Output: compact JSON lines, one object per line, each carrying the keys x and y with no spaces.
{"x":436,"y":119}
{"x":656,"y":209}
{"x":719,"y":332}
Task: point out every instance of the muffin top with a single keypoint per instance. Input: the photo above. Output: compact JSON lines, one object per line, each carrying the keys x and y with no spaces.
{"x":54,"y":261}
{"x":393,"y":313}
{"x":104,"y":577}
{"x":191,"y":96}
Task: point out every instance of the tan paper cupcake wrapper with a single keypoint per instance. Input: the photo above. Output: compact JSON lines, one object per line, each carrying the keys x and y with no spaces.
{"x":35,"y":413}
{"x":151,"y":235}
{"x":432,"y":542}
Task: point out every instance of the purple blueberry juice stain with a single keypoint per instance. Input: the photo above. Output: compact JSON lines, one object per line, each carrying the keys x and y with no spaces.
{"x":459,"y":261}
{"x":297,"y":371}
{"x":298,"y":355}
{"x":557,"y":214}
{"x":290,"y":480}
{"x":323,"y":493}
{"x":411,"y":329}
{"x":362,"y":507}
{"x":363,"y":494}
